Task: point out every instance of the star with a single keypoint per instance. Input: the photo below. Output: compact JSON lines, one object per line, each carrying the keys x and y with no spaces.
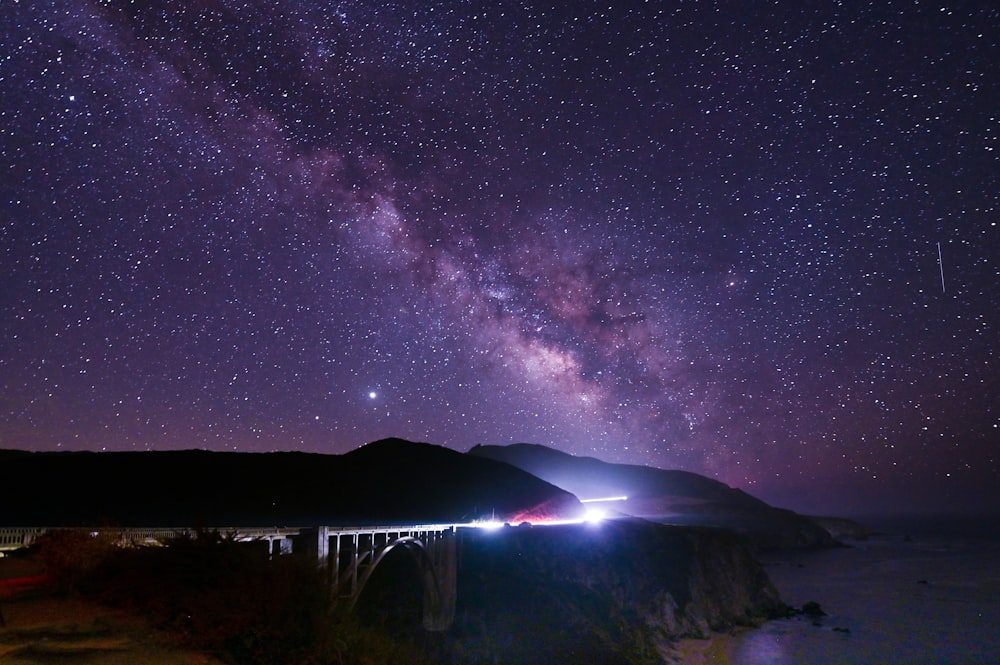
{"x":696,"y":239}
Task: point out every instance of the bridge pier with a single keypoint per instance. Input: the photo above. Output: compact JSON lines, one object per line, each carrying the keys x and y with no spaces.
{"x":439,"y":609}
{"x":322,"y":544}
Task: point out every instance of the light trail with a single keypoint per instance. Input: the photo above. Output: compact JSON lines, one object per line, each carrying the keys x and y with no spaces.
{"x":606,"y":498}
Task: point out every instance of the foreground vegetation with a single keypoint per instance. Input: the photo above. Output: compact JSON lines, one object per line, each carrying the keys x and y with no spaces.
{"x":231,"y":599}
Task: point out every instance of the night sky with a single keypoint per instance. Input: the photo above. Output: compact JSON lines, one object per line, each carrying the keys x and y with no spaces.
{"x":692,"y":235}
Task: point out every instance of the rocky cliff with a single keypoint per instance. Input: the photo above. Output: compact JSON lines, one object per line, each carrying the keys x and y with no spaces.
{"x":619,"y":592}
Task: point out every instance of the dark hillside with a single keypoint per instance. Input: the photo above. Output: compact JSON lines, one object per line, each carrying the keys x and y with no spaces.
{"x":669,"y":496}
{"x":385,"y":481}
{"x":426,"y":479}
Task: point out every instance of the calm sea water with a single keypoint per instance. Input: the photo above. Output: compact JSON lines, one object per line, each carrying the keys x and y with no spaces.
{"x":924,"y":592}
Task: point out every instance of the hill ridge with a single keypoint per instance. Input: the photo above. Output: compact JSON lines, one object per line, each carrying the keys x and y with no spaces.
{"x":664,"y":495}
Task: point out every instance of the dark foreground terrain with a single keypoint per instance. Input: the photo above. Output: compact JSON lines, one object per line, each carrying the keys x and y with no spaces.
{"x":619,"y":592}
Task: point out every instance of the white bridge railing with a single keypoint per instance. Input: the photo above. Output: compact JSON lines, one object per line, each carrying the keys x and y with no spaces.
{"x":14,"y":538}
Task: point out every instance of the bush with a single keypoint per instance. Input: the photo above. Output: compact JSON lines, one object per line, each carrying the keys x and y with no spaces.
{"x":216,"y":594}
{"x":70,"y":555}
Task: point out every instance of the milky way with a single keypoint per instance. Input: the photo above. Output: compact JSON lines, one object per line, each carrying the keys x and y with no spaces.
{"x":690,"y":235}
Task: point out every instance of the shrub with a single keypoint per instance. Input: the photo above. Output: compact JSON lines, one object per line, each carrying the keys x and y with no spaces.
{"x":211,"y":593}
{"x":217,"y":594}
{"x":70,"y":555}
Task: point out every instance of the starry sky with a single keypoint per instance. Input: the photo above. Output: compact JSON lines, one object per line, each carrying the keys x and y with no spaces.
{"x":758,"y":241}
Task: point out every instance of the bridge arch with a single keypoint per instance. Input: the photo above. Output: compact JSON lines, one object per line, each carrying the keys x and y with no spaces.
{"x":354,"y":557}
{"x":402,"y":581}
{"x":425,"y":567}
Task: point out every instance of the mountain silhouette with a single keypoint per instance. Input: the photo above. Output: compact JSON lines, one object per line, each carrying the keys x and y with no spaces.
{"x":668,"y":496}
{"x":386,"y":481}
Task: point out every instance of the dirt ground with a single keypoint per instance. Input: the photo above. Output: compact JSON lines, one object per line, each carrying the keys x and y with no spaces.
{"x":41,"y":628}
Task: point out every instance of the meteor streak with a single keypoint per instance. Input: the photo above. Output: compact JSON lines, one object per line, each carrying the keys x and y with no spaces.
{"x":941,"y":267}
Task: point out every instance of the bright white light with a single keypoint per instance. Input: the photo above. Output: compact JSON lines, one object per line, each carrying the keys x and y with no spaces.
{"x":594,"y":515}
{"x":489,"y":525}
{"x":372,"y":395}
{"x":606,"y":498}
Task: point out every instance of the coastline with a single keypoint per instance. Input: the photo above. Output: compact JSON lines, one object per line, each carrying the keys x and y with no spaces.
{"x":921,"y":590}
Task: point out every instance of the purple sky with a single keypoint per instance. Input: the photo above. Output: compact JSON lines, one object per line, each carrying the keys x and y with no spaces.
{"x":689,"y":235}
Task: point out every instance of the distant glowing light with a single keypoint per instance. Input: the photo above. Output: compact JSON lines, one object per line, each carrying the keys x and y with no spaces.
{"x":594,"y":515}
{"x":606,"y":498}
{"x":372,"y":395}
{"x":488,"y":525}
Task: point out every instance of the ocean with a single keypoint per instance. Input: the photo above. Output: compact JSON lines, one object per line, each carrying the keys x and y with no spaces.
{"x":924,"y":591}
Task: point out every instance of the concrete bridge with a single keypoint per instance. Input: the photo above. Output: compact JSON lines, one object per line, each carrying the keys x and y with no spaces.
{"x":350,"y":554}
